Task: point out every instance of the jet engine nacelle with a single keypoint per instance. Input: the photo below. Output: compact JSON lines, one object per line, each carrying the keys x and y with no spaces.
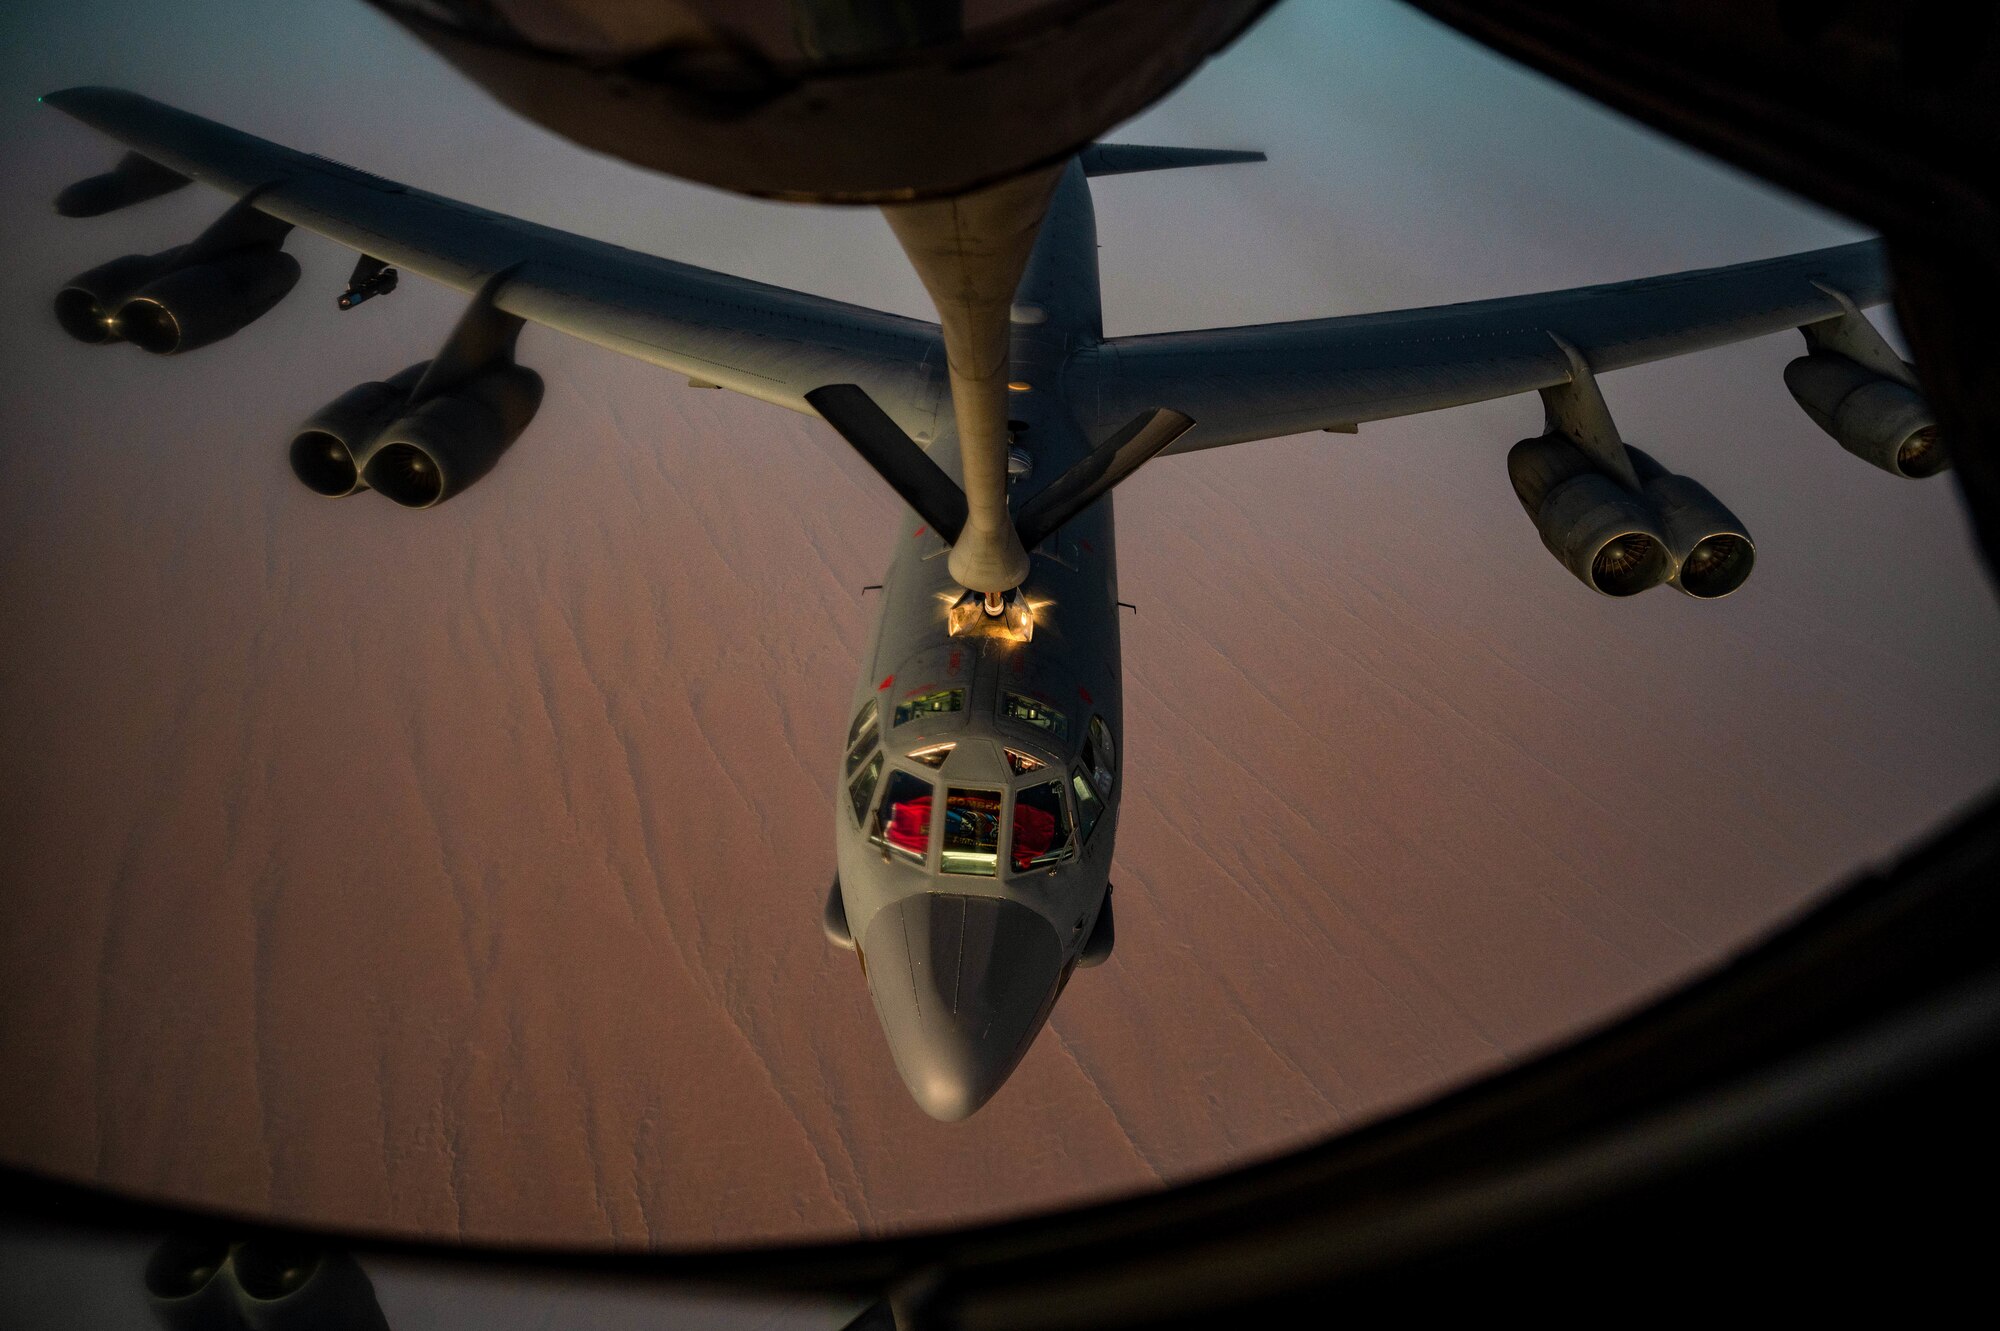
{"x":1600,"y":531}
{"x":335,"y":443}
{"x":88,"y":304}
{"x":449,"y":441}
{"x":202,"y":1283}
{"x":1878,"y":419}
{"x":165,"y":305}
{"x":205,"y":302}
{"x":1711,"y":548}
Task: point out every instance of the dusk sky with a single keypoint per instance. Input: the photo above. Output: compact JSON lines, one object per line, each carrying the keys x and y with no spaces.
{"x":459,"y":872}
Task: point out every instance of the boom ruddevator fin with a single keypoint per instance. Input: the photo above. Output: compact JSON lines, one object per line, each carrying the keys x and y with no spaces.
{"x":1118,"y":159}
{"x":1096,"y":472}
{"x":936,"y":498}
{"x":895,"y":456}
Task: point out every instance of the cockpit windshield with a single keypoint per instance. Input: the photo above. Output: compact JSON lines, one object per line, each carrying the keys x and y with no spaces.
{"x":1100,"y":756}
{"x":1041,"y":827}
{"x":972,"y":832}
{"x":933,"y":755}
{"x":1089,"y":808}
{"x":861,"y":736}
{"x":1019,"y":763}
{"x":1034,"y":712}
{"x":930,"y":704}
{"x":862,"y":789}
{"x":903,"y":823}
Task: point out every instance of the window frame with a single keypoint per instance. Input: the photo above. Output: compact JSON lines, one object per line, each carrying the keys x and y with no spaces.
{"x":872,"y":773}
{"x":1072,"y":842}
{"x":877,"y":829}
{"x":1091,"y":748}
{"x":1085,"y":834}
{"x":961,"y":693}
{"x":862,"y":737}
{"x":1003,"y":808}
{"x":1059,"y":732}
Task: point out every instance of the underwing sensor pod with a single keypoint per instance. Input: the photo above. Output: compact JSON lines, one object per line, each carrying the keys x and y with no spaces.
{"x":431,"y":431}
{"x":174,"y":301}
{"x":1857,"y":389}
{"x":1612,"y":515}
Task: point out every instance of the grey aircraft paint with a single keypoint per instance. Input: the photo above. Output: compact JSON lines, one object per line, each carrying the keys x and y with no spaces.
{"x":964,"y":968}
{"x":974,"y":888}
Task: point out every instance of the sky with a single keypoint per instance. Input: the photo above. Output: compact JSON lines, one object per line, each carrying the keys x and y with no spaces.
{"x":459,"y":872}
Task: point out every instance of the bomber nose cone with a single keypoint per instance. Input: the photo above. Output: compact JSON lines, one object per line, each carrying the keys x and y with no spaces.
{"x":961,"y":985}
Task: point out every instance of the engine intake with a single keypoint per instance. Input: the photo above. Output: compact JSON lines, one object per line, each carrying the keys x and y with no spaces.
{"x":449,"y":441}
{"x":1879,"y":420}
{"x":88,"y":303}
{"x":198,"y":1282}
{"x":193,"y":306}
{"x":1601,"y":532}
{"x":330,"y":449}
{"x":1711,"y":548}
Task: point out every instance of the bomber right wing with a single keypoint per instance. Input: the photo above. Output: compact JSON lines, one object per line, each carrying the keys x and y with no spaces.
{"x":1268,"y":380}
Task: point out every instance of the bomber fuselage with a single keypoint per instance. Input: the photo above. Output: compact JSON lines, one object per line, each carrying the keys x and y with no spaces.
{"x":979,"y":792}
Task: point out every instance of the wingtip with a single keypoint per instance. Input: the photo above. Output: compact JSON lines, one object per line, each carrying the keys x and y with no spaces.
{"x":84,"y":98}
{"x":70,"y":99}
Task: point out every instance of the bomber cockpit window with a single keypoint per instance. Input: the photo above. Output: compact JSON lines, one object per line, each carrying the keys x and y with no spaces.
{"x":861,"y":736}
{"x":1100,"y":756}
{"x":903,"y":823}
{"x":1041,"y":827}
{"x":863,"y":788}
{"x":1019,"y":762}
{"x":1089,"y":808}
{"x":971,"y":832}
{"x":930,"y":704}
{"x":1020,"y":707}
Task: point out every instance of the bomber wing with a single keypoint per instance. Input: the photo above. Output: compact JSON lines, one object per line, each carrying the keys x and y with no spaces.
{"x":1268,"y":380}
{"x":761,"y":340}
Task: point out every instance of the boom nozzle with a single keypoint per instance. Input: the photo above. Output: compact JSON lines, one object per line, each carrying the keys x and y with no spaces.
{"x":1008,"y":616}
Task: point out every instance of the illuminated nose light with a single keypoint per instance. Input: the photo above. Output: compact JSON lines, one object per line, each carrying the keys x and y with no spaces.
{"x":1019,"y":386}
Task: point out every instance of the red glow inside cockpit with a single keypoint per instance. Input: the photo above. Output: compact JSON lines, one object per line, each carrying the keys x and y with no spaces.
{"x":1034,"y":831}
{"x":910,"y":825}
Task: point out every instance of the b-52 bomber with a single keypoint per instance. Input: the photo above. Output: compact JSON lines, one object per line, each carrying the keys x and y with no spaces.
{"x":979,"y":784}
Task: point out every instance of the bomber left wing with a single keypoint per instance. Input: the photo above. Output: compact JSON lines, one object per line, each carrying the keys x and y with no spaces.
{"x":764,"y":341}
